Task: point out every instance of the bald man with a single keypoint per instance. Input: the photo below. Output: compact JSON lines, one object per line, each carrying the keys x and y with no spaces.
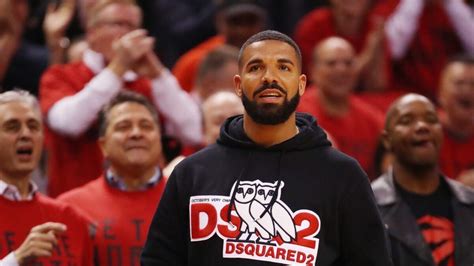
{"x":456,"y":98}
{"x":332,"y":102}
{"x":429,"y":217}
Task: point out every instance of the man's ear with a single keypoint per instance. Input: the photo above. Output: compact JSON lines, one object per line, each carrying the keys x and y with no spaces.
{"x":237,"y":87}
{"x":101,"y":141}
{"x":302,"y":84}
{"x":386,"y":140}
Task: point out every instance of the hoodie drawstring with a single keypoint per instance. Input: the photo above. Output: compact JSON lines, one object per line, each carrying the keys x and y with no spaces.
{"x":275,"y":195}
{"x":232,"y":198}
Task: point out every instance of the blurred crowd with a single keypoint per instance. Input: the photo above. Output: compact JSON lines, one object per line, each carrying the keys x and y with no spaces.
{"x":156,"y":77}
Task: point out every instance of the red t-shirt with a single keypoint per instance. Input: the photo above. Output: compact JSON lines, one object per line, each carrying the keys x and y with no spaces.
{"x":122,"y":218}
{"x":456,"y":155}
{"x":18,"y":217}
{"x":185,"y":69}
{"x":73,"y":162}
{"x":356,"y":133}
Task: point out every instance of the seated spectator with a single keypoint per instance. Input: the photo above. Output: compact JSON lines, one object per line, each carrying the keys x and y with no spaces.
{"x":216,"y":72}
{"x":120,"y":57}
{"x":355,"y":22}
{"x":22,"y":62}
{"x":34,"y":229}
{"x":236,"y":21}
{"x":456,"y":97}
{"x":354,"y":124}
{"x":422,"y":36}
{"x":429,"y":217}
{"x":121,"y":202}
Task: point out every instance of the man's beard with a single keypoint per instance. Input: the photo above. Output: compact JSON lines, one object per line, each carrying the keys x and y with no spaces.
{"x":270,"y":113}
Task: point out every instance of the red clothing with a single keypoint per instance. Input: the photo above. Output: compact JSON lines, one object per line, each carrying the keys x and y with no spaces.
{"x":73,"y":162}
{"x":356,"y":133}
{"x":122,"y":218}
{"x":318,"y":25}
{"x":185,"y":69}
{"x":18,"y":217}
{"x":434,"y":42}
{"x":456,"y":155}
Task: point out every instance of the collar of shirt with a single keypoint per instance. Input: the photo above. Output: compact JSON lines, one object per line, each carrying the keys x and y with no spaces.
{"x":12,"y":193}
{"x":118,"y":183}
{"x":96,"y":62}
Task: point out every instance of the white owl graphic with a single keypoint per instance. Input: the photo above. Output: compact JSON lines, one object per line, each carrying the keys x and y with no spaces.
{"x":252,"y":198}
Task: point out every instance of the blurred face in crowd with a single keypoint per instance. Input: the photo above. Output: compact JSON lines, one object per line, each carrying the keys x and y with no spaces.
{"x":21,"y":139}
{"x":353,"y":8}
{"x":109,"y":24}
{"x":457,"y":95}
{"x":221,"y":79}
{"x":334,"y":71}
{"x":216,"y":109}
{"x":131,"y":139}
{"x":237,"y":27}
{"x":270,"y":81}
{"x":413,"y":132}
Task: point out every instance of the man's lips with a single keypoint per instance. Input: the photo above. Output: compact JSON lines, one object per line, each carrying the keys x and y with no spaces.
{"x":270,"y":87}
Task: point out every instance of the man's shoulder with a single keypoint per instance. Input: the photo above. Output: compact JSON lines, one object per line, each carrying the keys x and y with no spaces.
{"x":87,"y":191}
{"x":463,"y":193}
{"x":57,"y":209}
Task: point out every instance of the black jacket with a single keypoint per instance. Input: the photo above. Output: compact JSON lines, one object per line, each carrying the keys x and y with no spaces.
{"x":408,"y":245}
{"x":300,"y":201}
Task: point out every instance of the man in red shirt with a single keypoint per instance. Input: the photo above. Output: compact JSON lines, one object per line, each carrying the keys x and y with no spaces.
{"x":354,"y":124}
{"x":456,"y":98}
{"x":120,"y":57}
{"x":121,"y":202}
{"x":33,"y":228}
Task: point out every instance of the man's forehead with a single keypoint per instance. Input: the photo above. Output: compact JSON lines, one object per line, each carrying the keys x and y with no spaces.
{"x":18,"y":110}
{"x":128,"y":110}
{"x":260,"y":49}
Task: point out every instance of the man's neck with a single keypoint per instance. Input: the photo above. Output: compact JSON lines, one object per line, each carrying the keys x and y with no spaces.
{"x":134,"y":179}
{"x":423,"y":181}
{"x":333,"y":106}
{"x":22,"y":183}
{"x":269,"y":135}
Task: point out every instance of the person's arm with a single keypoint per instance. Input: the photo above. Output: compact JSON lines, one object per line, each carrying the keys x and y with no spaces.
{"x":84,"y":106}
{"x":9,"y":260}
{"x":401,"y":26}
{"x":462,"y":19}
{"x":55,"y":23}
{"x":10,"y":36}
{"x":181,"y":112}
{"x":73,"y":115}
{"x":363,"y":238}
{"x":168,"y":236}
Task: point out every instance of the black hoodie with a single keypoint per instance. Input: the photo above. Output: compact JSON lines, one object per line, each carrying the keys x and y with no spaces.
{"x":297,"y":202}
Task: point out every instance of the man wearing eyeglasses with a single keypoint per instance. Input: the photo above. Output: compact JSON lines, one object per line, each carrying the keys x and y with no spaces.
{"x":120,"y":57}
{"x":456,"y":98}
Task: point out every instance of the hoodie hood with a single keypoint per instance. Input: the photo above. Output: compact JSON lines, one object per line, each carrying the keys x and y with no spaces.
{"x":310,"y":136}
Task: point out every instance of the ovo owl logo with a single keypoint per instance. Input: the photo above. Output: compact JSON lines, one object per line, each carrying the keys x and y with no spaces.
{"x":260,"y":226}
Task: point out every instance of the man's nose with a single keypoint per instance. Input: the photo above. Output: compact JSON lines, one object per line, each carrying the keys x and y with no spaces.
{"x":269,"y":76}
{"x":136,"y":132}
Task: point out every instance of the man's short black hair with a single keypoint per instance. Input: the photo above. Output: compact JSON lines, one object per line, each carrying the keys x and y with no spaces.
{"x":466,"y":59}
{"x":270,"y":35}
{"x":124,"y":97}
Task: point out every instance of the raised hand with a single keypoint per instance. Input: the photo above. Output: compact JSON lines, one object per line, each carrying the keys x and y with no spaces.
{"x":57,"y":19}
{"x":40,"y":242}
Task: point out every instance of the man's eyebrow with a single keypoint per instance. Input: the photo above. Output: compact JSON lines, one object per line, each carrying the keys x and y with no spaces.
{"x":255,"y":61}
{"x":286,"y":61}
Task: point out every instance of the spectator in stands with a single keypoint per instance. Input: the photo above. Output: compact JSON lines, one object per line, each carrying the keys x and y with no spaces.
{"x":422,"y":36}
{"x":363,"y":29}
{"x":216,"y":109}
{"x":456,"y":97}
{"x":236,"y":21}
{"x":120,"y":57}
{"x":121,"y":202}
{"x":37,"y":230}
{"x":354,"y":124}
{"x":429,"y":217}
{"x":216,"y":72}
{"x":23,"y":62}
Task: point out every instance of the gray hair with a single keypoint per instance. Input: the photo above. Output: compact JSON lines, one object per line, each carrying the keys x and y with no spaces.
{"x":18,"y":95}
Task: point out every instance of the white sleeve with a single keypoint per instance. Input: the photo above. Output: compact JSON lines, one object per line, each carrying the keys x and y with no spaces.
{"x":9,"y":260}
{"x":73,"y":115}
{"x":181,"y":112}
{"x":462,"y":19}
{"x":401,"y":26}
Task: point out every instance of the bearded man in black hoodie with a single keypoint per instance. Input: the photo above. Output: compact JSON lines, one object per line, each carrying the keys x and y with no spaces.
{"x":272,"y":190}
